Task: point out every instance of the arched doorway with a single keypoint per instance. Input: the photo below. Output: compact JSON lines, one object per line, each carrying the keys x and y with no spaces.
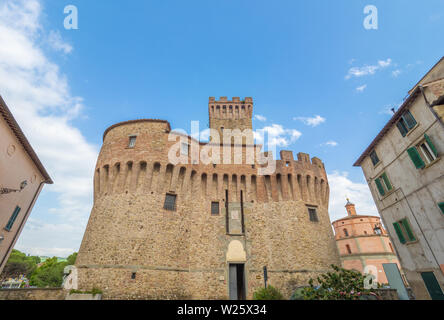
{"x":236,"y":258}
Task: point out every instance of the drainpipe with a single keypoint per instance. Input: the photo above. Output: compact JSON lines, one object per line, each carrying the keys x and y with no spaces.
{"x":430,"y":106}
{"x":23,"y":221}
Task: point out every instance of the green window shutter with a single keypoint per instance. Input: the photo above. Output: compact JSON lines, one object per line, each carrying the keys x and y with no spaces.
{"x":406,"y":225}
{"x":401,"y":128}
{"x":416,"y":158}
{"x":431,"y":145}
{"x":408,"y":118}
{"x":441,"y":206}
{"x":379,"y":185}
{"x":399,"y":232}
{"x":12,"y":219}
{"x":387,"y":182}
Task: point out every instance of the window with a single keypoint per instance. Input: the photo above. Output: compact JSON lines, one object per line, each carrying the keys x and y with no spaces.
{"x":383,"y":184}
{"x":12,"y":219}
{"x":441,"y":206}
{"x":346,"y":232}
{"x":424,"y":153}
{"x":404,"y":231}
{"x":133,"y":275}
{"x":132,"y":142}
{"x":184,"y":149}
{"x":406,"y":123}
{"x":348,"y":249}
{"x":374,"y":157}
{"x":170,"y":202}
{"x":313,"y":214}
{"x":214,"y":208}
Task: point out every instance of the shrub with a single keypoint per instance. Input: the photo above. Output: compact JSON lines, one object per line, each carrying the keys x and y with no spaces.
{"x":269,"y":293}
{"x":341,"y":284}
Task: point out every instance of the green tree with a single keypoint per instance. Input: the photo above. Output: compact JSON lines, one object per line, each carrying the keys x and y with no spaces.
{"x":49,"y":274}
{"x":72,"y":259}
{"x":341,"y":284}
{"x":19,"y":264}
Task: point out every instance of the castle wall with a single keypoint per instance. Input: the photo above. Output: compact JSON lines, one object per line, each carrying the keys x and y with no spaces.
{"x":135,"y":249}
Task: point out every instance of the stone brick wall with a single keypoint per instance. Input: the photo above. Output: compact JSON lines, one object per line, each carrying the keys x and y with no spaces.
{"x":33,"y":294}
{"x":135,"y":249}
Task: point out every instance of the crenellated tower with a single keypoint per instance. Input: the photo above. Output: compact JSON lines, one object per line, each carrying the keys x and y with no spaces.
{"x":185,"y":230}
{"x":230,"y":114}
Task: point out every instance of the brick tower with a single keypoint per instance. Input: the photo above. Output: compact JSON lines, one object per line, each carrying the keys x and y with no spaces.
{"x":201,"y":231}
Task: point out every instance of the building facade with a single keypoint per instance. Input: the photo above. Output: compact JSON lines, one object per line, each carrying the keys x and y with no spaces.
{"x":364,"y":244}
{"x":22,"y":177}
{"x":405,"y":172}
{"x":192,"y":230}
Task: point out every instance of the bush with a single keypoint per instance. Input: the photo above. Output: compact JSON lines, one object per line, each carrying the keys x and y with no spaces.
{"x":269,"y":293}
{"x":341,"y":284}
{"x":298,"y":294}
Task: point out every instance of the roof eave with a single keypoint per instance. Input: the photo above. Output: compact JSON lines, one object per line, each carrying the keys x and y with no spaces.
{"x":10,"y":120}
{"x":389,"y":124}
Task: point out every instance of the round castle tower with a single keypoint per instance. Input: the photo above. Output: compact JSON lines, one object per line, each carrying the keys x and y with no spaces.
{"x":202,"y":231}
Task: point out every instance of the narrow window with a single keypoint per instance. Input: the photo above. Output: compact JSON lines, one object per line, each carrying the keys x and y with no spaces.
{"x":12,"y":218}
{"x":214,"y":208}
{"x":346,"y":232}
{"x":313,"y":214}
{"x":374,"y":157}
{"x":424,"y":153}
{"x":409,"y":120}
{"x":407,"y":229}
{"x":441,"y":206}
{"x":402,"y":128}
{"x":348,"y":249}
{"x":383,"y":184}
{"x":132,"y":141}
{"x":184,"y":149}
{"x":406,"y":123}
{"x":404,"y":231}
{"x":427,"y":153}
{"x":133,"y":276}
{"x":170,"y":202}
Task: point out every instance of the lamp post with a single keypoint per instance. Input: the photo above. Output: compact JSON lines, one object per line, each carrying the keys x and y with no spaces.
{"x":265,"y":276}
{"x":9,"y":190}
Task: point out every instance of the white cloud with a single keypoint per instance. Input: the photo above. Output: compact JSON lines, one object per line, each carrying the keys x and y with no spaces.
{"x":368,"y":69}
{"x":330,"y":143}
{"x":361,"y":88}
{"x":341,"y":187}
{"x":311,"y":121}
{"x":56,"y":42}
{"x":396,"y":73}
{"x":276,"y":136}
{"x":39,"y":96}
{"x":260,"y":118}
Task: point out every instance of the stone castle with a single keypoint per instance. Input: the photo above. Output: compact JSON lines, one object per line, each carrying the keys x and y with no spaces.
{"x":159,"y":230}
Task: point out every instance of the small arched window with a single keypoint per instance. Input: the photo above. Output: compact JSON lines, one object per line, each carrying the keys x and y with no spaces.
{"x":346,"y":232}
{"x":348,"y":249}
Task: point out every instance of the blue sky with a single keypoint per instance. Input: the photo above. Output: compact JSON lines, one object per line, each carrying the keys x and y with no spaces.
{"x":299,"y":60}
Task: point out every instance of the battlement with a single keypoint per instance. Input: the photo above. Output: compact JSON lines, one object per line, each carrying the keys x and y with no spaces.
{"x":212,"y":100}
